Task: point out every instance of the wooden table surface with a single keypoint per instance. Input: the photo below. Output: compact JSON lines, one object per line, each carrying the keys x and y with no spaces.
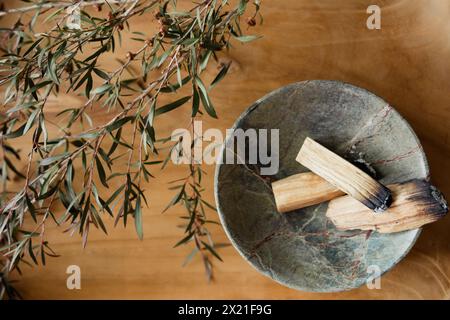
{"x":407,"y":63}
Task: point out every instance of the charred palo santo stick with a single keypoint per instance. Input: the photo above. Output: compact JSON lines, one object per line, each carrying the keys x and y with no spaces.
{"x":302,"y":190}
{"x":343,"y":175}
{"x":415,"y":203}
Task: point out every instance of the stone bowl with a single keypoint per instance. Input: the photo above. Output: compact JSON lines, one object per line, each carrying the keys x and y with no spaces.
{"x":302,"y":249}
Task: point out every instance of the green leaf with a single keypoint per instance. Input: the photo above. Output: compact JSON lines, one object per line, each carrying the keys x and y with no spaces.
{"x":97,"y":53}
{"x":101,"y":203}
{"x":52,"y":15}
{"x":101,"y":74}
{"x":195,"y":101}
{"x":79,"y":84}
{"x":185,"y":239}
{"x":11,"y":150}
{"x":98,"y":219}
{"x":114,"y":195}
{"x":47,"y":194}
{"x":41,"y":85}
{"x":223,"y":71}
{"x":105,"y":157}
{"x":175,"y":199}
{"x":152,"y":162}
{"x":74,"y":201}
{"x":190,"y":41}
{"x":199,"y":19}
{"x":172,"y":106}
{"x":50,"y":160}
{"x":151,"y":113}
{"x":31,"y":252}
{"x":241,"y":7}
{"x":189,"y":257}
{"x":17,"y":133}
{"x":208,"y":205}
{"x":115,"y":143}
{"x":205,"y":59}
{"x":101,"y":171}
{"x":102,"y":89}
{"x":205,"y":98}
{"x":179,"y":80}
{"x":52,"y":65}
{"x":163,"y":57}
{"x":31,"y":208}
{"x":138,"y":219}
{"x":119,"y":123}
{"x":247,"y":38}
{"x":88,"y":87}
{"x":22,"y":106}
{"x":34,"y":45}
{"x":87,"y":135}
{"x":175,"y":87}
{"x":211,"y":249}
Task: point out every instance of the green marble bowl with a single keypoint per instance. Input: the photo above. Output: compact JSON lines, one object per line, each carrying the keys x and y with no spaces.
{"x":302,"y":249}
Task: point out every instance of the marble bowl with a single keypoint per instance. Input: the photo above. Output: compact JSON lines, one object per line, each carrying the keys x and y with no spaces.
{"x":302,"y":249}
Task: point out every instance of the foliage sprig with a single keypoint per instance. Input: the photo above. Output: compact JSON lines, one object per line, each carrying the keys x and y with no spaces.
{"x":68,"y":175}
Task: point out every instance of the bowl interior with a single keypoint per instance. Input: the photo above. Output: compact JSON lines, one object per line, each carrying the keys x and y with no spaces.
{"x":302,"y":249}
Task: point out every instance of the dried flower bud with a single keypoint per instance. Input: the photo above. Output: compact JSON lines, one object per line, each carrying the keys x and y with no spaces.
{"x":68,"y":68}
{"x":130,"y":55}
{"x":157,"y":14}
{"x":150,"y":42}
{"x":251,"y":21}
{"x":99,"y":7}
{"x":162,"y":31}
{"x":165,"y":21}
{"x":220,"y":65}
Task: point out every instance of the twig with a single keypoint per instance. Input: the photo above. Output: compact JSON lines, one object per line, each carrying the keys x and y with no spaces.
{"x":55,"y":5}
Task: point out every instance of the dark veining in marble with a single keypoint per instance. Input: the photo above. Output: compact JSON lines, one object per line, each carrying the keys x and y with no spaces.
{"x":302,"y":249}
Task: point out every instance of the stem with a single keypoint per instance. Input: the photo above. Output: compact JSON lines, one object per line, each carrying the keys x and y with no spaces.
{"x":57,"y":5}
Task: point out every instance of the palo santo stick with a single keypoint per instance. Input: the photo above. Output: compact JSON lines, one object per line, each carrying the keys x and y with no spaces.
{"x":415,"y":203}
{"x":343,"y":175}
{"x":302,"y":190}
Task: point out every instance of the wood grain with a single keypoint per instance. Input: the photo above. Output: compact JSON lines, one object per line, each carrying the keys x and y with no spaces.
{"x":406,"y":62}
{"x":302,"y":190}
{"x":415,"y":203}
{"x":344,"y":175}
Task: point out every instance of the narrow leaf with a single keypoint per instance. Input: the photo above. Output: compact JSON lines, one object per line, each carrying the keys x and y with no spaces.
{"x":101,"y":171}
{"x":223,"y":71}
{"x":172,"y":106}
{"x":247,"y":38}
{"x":138,"y":219}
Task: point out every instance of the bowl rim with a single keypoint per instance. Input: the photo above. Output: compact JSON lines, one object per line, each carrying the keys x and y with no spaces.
{"x":253,"y":107}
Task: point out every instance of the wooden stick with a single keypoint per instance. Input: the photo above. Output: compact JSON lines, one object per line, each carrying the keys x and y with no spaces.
{"x":302,"y":190}
{"x":343,"y":175}
{"x":415,"y":204}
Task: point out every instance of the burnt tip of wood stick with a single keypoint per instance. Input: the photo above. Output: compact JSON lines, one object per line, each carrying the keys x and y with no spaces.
{"x":429,"y":198}
{"x":415,"y":204}
{"x":380,"y":200}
